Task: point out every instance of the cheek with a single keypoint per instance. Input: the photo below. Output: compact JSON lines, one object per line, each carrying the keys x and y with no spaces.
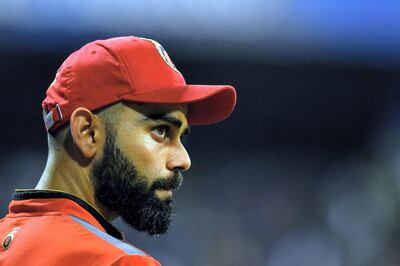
{"x":149,"y":144}
{"x":147,"y":155}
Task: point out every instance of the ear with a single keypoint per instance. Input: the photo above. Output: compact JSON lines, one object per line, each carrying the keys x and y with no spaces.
{"x":85,"y":131}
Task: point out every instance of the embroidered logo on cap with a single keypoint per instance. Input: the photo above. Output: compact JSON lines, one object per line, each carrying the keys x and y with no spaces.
{"x":8,"y":239}
{"x":163,"y":54}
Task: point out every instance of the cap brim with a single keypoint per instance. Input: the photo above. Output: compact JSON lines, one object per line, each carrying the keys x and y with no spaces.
{"x":208,"y":104}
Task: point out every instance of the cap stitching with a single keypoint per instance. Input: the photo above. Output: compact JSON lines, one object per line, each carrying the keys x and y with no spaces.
{"x":125,"y":68}
{"x":68,"y":75}
{"x":122,"y":67}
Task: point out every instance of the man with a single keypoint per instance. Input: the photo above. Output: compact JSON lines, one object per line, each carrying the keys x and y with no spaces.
{"x":115,"y":116}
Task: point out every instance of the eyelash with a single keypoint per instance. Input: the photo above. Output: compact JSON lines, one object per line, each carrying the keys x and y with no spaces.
{"x":162,"y":127}
{"x":166,"y":132}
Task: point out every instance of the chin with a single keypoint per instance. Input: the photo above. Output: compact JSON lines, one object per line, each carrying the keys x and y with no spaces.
{"x":163,"y":195}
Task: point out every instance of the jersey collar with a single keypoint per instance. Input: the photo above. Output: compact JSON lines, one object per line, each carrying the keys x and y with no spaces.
{"x":31,"y":194}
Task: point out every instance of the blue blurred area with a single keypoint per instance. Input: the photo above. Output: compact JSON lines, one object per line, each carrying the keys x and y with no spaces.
{"x":344,"y":31}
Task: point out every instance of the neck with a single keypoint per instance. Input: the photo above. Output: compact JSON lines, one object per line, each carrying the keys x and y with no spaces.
{"x":66,"y":175}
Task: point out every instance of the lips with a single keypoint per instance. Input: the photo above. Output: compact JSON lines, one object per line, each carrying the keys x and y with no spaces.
{"x":168,"y":184}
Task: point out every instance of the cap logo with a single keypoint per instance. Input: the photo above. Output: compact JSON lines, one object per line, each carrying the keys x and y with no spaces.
{"x":163,"y":54}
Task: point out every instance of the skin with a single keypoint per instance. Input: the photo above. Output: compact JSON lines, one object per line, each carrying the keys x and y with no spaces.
{"x":148,"y":134}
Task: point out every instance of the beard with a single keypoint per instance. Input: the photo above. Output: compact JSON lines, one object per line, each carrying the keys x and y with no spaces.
{"x":120,"y":188}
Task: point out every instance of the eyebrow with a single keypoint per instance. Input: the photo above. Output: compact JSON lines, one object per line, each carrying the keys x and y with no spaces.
{"x":169,"y":119}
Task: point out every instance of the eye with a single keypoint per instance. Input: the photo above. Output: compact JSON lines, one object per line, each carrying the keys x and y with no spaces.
{"x":160,"y":132}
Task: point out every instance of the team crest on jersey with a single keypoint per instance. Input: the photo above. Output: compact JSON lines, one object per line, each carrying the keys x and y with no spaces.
{"x":8,"y":239}
{"x":163,"y":54}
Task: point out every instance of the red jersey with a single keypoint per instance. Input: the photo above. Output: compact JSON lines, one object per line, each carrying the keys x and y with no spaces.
{"x":46,"y":227}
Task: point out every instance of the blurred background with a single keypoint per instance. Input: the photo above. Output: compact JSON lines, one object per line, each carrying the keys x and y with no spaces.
{"x":306,"y":171}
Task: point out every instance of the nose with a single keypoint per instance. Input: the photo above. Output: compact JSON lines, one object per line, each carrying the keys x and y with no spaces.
{"x":179,"y":159}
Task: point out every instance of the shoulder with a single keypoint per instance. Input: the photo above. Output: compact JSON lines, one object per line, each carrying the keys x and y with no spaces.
{"x":135,"y":260}
{"x":123,"y":252}
{"x":98,"y":236}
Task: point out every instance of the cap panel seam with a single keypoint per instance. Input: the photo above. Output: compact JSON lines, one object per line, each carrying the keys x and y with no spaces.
{"x":68,"y":72}
{"x":125,"y":68}
{"x":122,"y":67}
{"x":68,"y":97}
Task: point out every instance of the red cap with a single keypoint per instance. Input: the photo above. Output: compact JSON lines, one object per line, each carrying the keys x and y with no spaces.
{"x":135,"y":69}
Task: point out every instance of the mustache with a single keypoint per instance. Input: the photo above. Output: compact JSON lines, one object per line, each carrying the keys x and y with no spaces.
{"x":171,"y":183}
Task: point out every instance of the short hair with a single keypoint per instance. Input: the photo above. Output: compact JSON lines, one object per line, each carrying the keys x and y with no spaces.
{"x":109,"y":115}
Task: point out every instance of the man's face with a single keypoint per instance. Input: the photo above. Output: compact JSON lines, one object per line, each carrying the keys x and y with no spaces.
{"x":141,"y":165}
